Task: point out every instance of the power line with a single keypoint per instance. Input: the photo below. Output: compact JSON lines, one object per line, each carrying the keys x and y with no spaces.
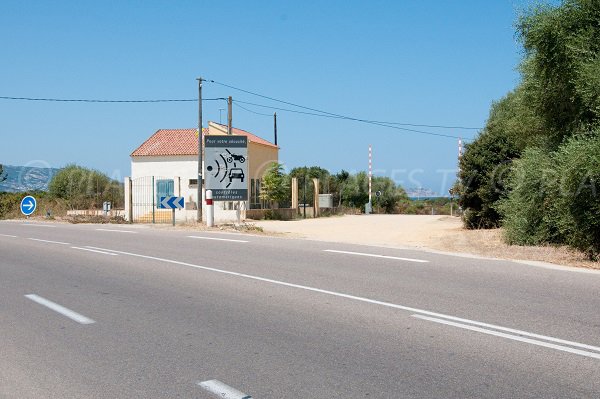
{"x":341,"y":116}
{"x":376,"y":123}
{"x":106,"y":101}
{"x":235,"y":102}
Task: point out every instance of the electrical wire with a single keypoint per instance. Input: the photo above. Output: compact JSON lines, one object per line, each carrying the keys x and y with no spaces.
{"x":338,"y":115}
{"x":377,"y":123}
{"x":235,"y":102}
{"x":107,"y":101}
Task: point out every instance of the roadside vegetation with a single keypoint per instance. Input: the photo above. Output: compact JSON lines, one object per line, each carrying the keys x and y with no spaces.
{"x":350,"y":192}
{"x":73,"y":187}
{"x":535,"y":167}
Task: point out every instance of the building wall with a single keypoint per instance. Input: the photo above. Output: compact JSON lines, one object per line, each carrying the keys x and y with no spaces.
{"x":260,"y":157}
{"x":181,"y":169}
{"x":184,"y":168}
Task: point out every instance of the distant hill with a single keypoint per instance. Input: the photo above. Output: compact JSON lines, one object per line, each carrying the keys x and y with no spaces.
{"x":26,"y":178}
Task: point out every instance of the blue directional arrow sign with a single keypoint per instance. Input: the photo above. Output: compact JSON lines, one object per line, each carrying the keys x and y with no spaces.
{"x":28,"y":205}
{"x":171,"y":203}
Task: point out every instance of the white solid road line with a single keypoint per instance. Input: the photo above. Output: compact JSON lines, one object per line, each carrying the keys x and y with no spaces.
{"x":95,"y":250}
{"x":37,"y":225}
{"x":216,"y":239}
{"x":376,"y":256}
{"x":60,"y":309}
{"x":360,"y":299}
{"x":222,"y":390}
{"x":49,"y":241}
{"x":510,"y":336}
{"x":8,"y":235}
{"x":118,"y":231}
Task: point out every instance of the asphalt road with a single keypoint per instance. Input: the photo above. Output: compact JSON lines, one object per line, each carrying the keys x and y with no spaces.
{"x":89,"y":311}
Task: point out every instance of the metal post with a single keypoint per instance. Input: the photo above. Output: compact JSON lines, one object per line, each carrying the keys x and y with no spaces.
{"x":229,"y":127}
{"x":173,"y":216}
{"x":153,"y":204}
{"x":370,"y":171}
{"x":199,"y":198}
{"x":130,"y":200}
{"x":275,"y":127}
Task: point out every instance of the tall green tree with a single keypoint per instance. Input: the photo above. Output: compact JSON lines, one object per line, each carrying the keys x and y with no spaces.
{"x":561,"y":67}
{"x":510,"y":128}
{"x":84,"y":188}
{"x":275,"y":184}
{"x":390,"y":194}
{"x":305,"y":174}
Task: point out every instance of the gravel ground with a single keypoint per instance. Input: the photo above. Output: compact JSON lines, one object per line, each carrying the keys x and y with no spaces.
{"x":442,"y":233}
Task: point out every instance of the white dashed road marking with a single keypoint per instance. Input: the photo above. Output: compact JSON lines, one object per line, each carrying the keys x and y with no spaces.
{"x":37,"y":225}
{"x":60,"y":309}
{"x":95,"y":250}
{"x":118,"y":231}
{"x":376,"y":256}
{"x":49,"y":241}
{"x":222,"y":390}
{"x":434,"y":316}
{"x":216,"y":239}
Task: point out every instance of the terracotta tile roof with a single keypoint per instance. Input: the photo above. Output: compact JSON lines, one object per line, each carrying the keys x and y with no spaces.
{"x":183,"y":142}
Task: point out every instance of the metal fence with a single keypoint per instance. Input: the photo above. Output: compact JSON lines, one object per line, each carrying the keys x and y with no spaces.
{"x":145,"y":196}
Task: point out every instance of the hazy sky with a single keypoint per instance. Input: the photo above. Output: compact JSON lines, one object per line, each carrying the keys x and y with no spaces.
{"x":406,"y":61}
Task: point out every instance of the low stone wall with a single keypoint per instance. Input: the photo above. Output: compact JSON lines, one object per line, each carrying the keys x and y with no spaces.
{"x":97,"y":212}
{"x":283,"y":213}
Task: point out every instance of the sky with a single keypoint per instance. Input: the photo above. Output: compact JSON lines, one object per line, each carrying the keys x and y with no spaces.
{"x":415,"y":62}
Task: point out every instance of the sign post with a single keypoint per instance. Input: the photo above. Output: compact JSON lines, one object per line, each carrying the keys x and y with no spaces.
{"x":226,"y":167}
{"x":28,"y":205}
{"x":171,"y":203}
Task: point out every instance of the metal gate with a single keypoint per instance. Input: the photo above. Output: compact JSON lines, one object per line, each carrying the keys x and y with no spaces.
{"x":145,"y":196}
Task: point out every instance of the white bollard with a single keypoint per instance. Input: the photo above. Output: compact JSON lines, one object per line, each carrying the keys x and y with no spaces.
{"x":210,"y":209}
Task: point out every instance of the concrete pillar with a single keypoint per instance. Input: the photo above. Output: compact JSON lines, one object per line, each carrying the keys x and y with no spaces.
{"x":294,"y":193}
{"x":128,"y":200}
{"x":316,"y":197}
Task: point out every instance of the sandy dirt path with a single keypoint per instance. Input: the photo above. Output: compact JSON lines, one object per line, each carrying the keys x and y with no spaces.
{"x":441,"y":233}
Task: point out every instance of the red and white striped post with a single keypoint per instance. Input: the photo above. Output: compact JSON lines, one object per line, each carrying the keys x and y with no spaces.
{"x":370,"y":171}
{"x":210,"y":209}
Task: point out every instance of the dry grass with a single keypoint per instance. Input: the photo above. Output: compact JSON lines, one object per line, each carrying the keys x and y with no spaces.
{"x":490,"y":243}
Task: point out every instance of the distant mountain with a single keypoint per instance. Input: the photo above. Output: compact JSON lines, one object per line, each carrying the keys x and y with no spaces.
{"x":26,"y":178}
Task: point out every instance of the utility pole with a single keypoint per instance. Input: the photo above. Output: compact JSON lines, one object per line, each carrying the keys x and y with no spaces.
{"x":229,"y":101}
{"x":199,"y":201}
{"x":275,"y":126}
{"x":370,"y":177}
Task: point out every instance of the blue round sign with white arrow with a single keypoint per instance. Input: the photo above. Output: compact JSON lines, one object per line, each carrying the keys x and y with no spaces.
{"x":28,"y":205}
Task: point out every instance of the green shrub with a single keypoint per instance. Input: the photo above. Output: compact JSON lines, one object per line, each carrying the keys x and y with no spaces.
{"x":527,"y":211}
{"x":83,"y":188}
{"x":578,"y":205}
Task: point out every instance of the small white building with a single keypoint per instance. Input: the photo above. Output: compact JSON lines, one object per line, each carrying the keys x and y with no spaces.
{"x":166,"y":164}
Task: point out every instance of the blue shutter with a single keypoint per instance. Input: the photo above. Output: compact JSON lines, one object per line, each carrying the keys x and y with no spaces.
{"x":164,"y":188}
